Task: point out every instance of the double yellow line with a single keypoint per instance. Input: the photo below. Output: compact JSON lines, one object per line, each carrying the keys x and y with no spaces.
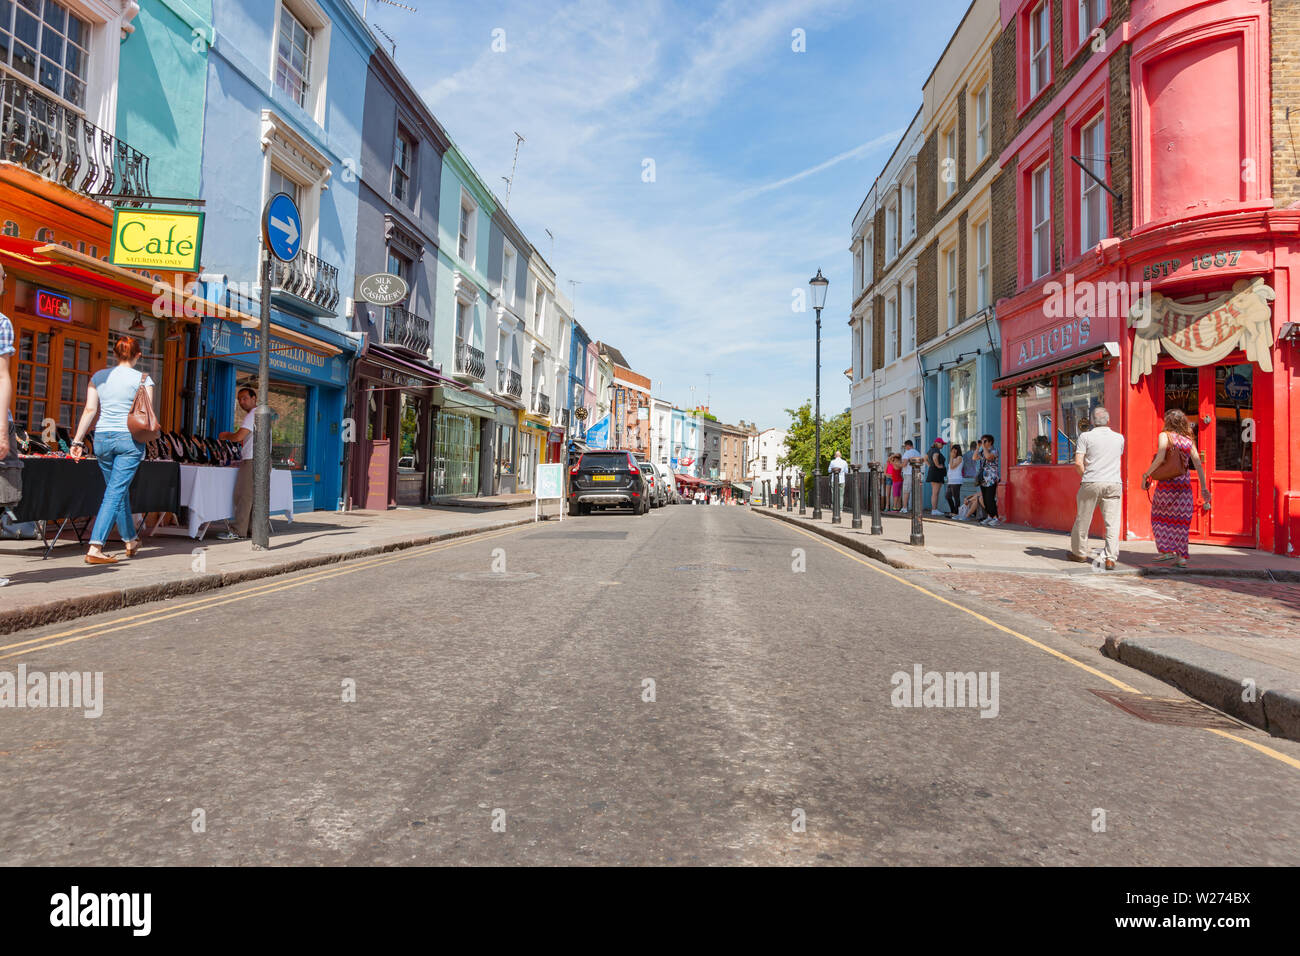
{"x":219,"y":599}
{"x":1269,"y":751}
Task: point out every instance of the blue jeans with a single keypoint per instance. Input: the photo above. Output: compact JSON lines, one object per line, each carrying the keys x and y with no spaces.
{"x":119,"y":456}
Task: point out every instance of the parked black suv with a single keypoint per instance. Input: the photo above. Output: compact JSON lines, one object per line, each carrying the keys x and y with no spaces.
{"x":607,"y":479}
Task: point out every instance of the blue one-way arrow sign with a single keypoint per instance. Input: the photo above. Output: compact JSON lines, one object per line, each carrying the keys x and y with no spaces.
{"x":282,"y":227}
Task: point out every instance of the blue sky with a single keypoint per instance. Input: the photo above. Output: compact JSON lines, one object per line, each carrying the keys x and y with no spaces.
{"x":762,"y":157}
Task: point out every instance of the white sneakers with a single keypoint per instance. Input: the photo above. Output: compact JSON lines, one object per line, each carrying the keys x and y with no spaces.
{"x":937,"y":514}
{"x":989,"y":522}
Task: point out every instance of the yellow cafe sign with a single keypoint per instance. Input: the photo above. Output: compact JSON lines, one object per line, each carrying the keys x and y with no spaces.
{"x":157,"y":240}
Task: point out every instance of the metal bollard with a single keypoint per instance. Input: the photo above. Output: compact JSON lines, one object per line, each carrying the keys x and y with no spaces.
{"x":789,"y":493}
{"x":803,"y":509}
{"x":876,"y":526}
{"x":918,"y":492}
{"x":857,"y":500}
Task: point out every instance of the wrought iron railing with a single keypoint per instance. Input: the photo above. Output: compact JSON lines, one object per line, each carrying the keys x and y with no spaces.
{"x":62,"y":145}
{"x":469,"y":360}
{"x":404,"y":329}
{"x":309,"y":278}
{"x":543,"y":404}
{"x":510,"y":382}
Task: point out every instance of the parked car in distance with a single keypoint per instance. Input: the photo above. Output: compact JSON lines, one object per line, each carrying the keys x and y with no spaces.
{"x":652,"y":481}
{"x":659,"y":486}
{"x":607,"y":479}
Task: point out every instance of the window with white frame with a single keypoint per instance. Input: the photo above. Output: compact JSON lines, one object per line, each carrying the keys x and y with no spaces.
{"x":280,"y":183}
{"x":916,"y":422}
{"x":950,"y":286}
{"x":508,"y":274}
{"x":403,"y":164}
{"x":871,"y":441}
{"x":857,"y":352}
{"x":539,"y":311}
{"x":1041,"y":219}
{"x":1092,"y":198}
{"x":983,"y":290}
{"x":889,"y":434}
{"x":891,"y":329}
{"x":868,"y":355}
{"x":868,"y":262}
{"x":949,"y":164}
{"x":464,"y":323}
{"x":1090,"y":13}
{"x":857,"y":271}
{"x":48,"y":44}
{"x":891,"y":230}
{"x":1040,"y":35}
{"x":909,"y":207}
{"x":468,"y":227}
{"x":961,"y":404}
{"x":982,"y":141}
{"x":909,"y":317}
{"x":293,"y":52}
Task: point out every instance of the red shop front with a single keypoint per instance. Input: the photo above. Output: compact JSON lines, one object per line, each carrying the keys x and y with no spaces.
{"x":1196,"y":316}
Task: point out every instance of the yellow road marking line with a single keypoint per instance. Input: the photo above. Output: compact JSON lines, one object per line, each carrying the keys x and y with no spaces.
{"x":163,"y":614}
{"x":1269,"y":751}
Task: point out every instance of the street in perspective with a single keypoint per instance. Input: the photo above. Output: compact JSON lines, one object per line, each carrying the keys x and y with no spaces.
{"x":844,"y":435}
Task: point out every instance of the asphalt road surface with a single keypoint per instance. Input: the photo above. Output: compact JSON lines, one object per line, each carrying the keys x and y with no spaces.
{"x":502,"y":715}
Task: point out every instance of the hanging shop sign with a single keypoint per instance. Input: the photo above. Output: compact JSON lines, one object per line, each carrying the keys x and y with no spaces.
{"x":383,"y":289}
{"x":1203,"y":332}
{"x":157,"y":240}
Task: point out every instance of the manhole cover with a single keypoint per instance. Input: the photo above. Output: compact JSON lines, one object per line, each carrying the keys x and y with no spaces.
{"x":709,"y":567}
{"x":494,"y":576}
{"x":1168,"y":710}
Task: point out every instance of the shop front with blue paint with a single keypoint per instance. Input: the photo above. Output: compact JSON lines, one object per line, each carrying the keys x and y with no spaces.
{"x":310,"y":368}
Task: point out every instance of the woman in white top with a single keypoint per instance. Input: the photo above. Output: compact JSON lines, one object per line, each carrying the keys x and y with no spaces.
{"x":109,"y":396}
{"x":956,"y":464}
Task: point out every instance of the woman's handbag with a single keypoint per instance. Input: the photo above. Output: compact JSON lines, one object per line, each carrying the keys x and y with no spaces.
{"x":141,"y":420}
{"x":1171,"y":466}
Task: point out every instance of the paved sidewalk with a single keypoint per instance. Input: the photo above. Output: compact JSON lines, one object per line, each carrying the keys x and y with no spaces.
{"x":64,"y":587}
{"x":1232,"y":617}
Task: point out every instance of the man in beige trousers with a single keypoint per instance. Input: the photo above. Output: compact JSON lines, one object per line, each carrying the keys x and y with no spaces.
{"x":1097,"y":459}
{"x":243,"y":515}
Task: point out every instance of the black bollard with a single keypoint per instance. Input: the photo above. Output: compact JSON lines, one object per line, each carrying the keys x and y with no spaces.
{"x":856,"y":488}
{"x":803,"y":509}
{"x":918,"y":492}
{"x":876,"y":526}
{"x":789,"y":494}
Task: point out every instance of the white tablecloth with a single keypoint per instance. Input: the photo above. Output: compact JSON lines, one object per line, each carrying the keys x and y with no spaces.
{"x":209,"y":493}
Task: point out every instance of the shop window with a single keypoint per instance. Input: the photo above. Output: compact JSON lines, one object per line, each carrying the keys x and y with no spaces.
{"x":289,"y":426}
{"x":1233,"y":407}
{"x":962,"y":404}
{"x":146,"y":330}
{"x":505,"y":449}
{"x":456,"y":451}
{"x":1034,"y":425}
{"x":409,"y":442}
{"x":1079,"y":394}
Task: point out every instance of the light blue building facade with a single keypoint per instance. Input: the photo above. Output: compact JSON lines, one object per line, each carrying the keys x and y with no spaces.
{"x":957,"y":372}
{"x":284,"y":101}
{"x":684,"y":456}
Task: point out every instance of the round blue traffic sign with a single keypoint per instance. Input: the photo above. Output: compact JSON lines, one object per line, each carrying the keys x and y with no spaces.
{"x":282,"y":227}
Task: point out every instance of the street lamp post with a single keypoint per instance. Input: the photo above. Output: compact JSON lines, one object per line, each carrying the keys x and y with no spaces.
{"x":818,"y":284}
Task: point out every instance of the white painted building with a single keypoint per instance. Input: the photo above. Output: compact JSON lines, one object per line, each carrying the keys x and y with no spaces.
{"x":762,"y":454}
{"x":887,"y":403}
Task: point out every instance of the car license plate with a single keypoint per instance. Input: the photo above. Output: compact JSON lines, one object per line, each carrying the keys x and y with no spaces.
{"x":602,"y":477}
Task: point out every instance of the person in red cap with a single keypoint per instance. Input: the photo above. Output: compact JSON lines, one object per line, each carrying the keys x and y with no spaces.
{"x":936,"y":473}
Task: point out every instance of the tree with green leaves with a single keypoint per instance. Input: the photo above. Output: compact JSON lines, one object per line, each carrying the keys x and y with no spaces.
{"x":800,"y":439}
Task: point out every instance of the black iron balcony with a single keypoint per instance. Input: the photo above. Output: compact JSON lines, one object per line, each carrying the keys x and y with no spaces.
{"x":405,"y":330}
{"x":543,"y":405}
{"x":60,"y":144}
{"x":308,"y":278}
{"x":510,"y":382}
{"x":469,"y":360}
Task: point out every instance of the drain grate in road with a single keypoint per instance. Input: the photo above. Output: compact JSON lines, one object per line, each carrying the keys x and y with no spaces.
{"x":710,"y":567}
{"x":1173,"y":711}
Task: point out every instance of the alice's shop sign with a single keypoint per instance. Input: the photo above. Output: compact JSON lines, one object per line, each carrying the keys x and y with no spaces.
{"x":1066,"y":338}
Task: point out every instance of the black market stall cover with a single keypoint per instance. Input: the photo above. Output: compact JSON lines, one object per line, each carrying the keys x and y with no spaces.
{"x":58,"y":488}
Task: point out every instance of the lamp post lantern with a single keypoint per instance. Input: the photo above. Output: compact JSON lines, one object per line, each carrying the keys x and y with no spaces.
{"x":818,"y":284}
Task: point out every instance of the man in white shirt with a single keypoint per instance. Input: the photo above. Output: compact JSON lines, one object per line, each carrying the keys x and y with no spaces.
{"x":243,"y":515}
{"x":1097,"y":459}
{"x":909,"y":455}
{"x":838,"y":469}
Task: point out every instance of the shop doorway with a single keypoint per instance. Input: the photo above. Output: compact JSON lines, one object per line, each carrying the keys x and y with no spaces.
{"x":1219,"y":400}
{"x":52,"y":369}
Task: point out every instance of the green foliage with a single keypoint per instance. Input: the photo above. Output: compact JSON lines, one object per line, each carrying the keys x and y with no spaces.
{"x":800,"y":439}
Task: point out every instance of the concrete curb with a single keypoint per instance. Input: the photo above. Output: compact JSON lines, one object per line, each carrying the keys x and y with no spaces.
{"x":38,"y":615}
{"x":849,"y":541}
{"x":1217,"y":678}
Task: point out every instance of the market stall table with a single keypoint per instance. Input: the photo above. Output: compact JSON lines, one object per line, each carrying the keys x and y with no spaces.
{"x":208,"y":492}
{"x":70,"y":492}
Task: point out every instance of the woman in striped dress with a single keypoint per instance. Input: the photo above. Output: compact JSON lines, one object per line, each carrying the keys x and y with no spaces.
{"x":1172,"y":506}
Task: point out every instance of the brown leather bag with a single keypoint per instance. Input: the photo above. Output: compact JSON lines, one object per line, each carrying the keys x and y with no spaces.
{"x":141,"y":420}
{"x":1171,"y":466}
